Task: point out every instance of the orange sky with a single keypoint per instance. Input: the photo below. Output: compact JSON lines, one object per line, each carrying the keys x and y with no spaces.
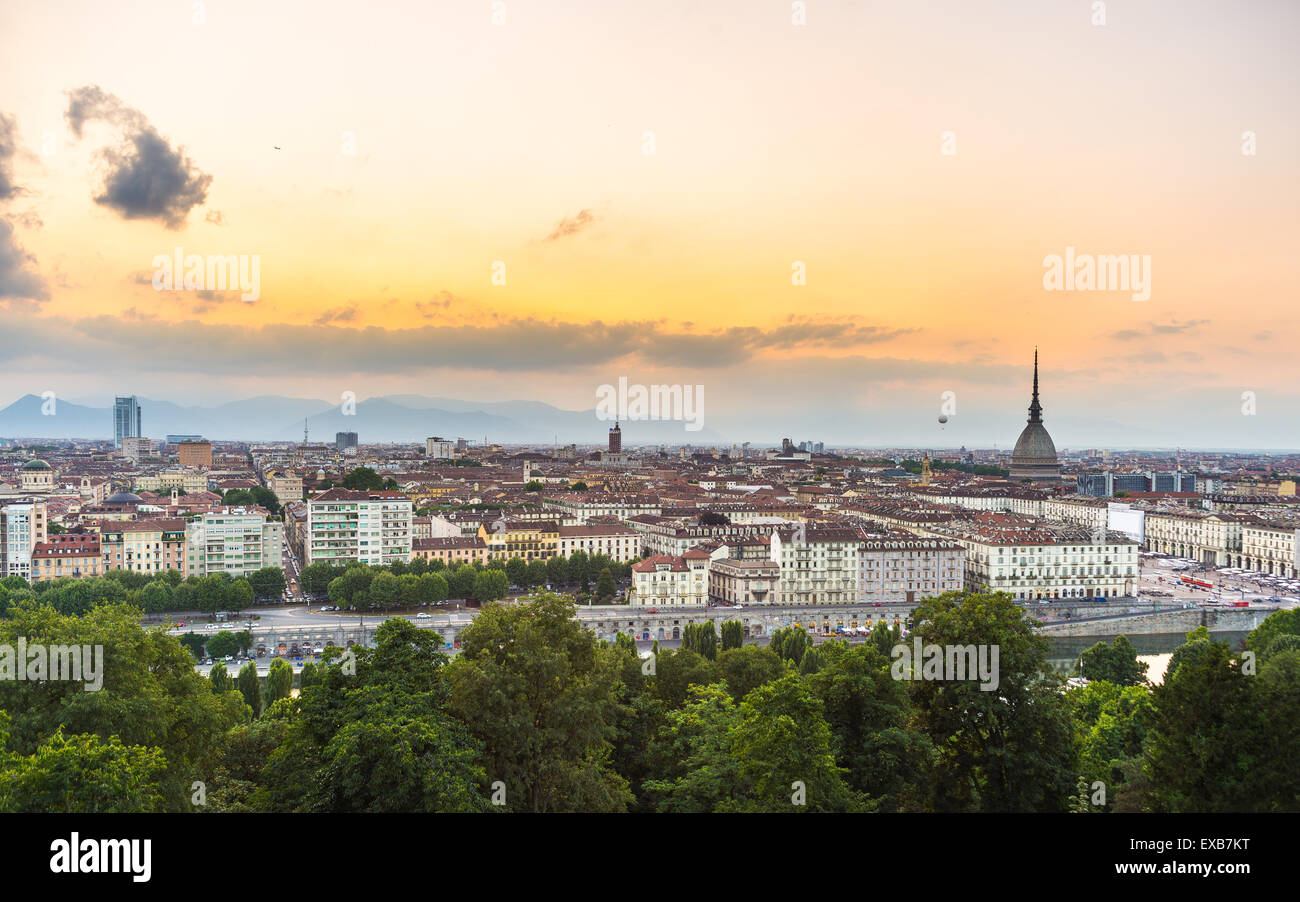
{"x":773,"y":143}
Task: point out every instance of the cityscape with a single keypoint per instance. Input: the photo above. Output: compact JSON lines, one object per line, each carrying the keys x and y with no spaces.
{"x":825,"y":409}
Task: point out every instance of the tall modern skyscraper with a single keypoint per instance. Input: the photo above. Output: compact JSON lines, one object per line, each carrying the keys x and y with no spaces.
{"x":126,"y":420}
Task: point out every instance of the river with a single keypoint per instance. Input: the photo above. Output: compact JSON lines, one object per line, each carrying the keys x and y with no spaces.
{"x":1154,"y":649}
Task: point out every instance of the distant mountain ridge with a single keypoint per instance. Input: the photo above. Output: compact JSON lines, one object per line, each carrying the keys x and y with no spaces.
{"x":394,"y":418}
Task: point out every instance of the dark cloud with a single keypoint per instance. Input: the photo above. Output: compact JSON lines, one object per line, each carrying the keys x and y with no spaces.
{"x":1170,"y":328}
{"x":18,"y":278}
{"x":8,"y":150}
{"x":1176,"y":328}
{"x":572,"y":226}
{"x":144,"y":177}
{"x":439,"y":302}
{"x":345,"y":314}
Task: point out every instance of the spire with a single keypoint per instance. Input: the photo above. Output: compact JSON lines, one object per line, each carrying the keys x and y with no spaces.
{"x":1035,"y":409}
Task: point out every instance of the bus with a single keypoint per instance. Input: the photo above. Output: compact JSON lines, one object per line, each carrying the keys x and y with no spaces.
{"x":1196,"y":583}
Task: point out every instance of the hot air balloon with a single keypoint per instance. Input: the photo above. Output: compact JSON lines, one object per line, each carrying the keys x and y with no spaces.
{"x":943,"y":418}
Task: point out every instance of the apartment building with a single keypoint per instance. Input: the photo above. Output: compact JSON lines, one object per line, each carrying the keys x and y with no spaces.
{"x":1269,"y":546}
{"x":22,"y":528}
{"x":819,"y":565}
{"x":195,"y":454}
{"x":1211,"y":538}
{"x":451,"y":550}
{"x":73,"y":555}
{"x":531,"y":540}
{"x":439,"y":448}
{"x":579,"y":507}
{"x":135,"y":448}
{"x":893,"y":570}
{"x":187,"y":481}
{"x":345,"y":526}
{"x":744,"y":582}
{"x":619,"y":543}
{"x":671,"y":580}
{"x":233,"y":540}
{"x":1089,"y":513}
{"x":144,"y":546}
{"x":1033,"y":561}
{"x":675,"y":536}
{"x":287,"y":487}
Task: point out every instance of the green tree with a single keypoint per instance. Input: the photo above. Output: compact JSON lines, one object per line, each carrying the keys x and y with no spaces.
{"x":746,"y":667}
{"x":376,"y":741}
{"x":869,"y":716}
{"x":461,"y":583}
{"x":363,"y":479}
{"x":1114,"y":663}
{"x":733,"y":634}
{"x":536,"y":575}
{"x":701,"y":639}
{"x":1204,"y":735}
{"x":790,"y":643}
{"x":309,"y":675}
{"x":605,"y":585}
{"x":194,"y":642}
{"x":279,"y":681}
{"x":223,"y":644}
{"x":433,"y":588}
{"x":578,"y":570}
{"x":517,"y":570}
{"x":83,"y":774}
{"x":250,"y":686}
{"x":385,"y":591}
{"x":219,"y":677}
{"x":149,"y":693}
{"x":267,"y":582}
{"x":557,"y":570}
{"x":535,"y":688}
{"x":1002,"y":748}
{"x":783,"y":740}
{"x":1111,"y":724}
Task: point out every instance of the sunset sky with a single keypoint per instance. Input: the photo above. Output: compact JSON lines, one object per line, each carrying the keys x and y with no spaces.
{"x":525,"y":143}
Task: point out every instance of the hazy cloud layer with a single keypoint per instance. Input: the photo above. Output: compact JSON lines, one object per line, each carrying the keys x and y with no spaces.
{"x":509,"y":345}
{"x":144,"y":177}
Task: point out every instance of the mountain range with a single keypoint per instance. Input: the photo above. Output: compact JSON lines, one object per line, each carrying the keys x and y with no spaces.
{"x":394,"y":418}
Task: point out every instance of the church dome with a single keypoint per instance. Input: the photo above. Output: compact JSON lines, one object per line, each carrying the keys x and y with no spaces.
{"x":36,"y":464}
{"x":124,"y":498}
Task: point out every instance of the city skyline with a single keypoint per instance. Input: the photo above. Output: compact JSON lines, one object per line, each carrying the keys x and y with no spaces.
{"x":379,"y":187}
